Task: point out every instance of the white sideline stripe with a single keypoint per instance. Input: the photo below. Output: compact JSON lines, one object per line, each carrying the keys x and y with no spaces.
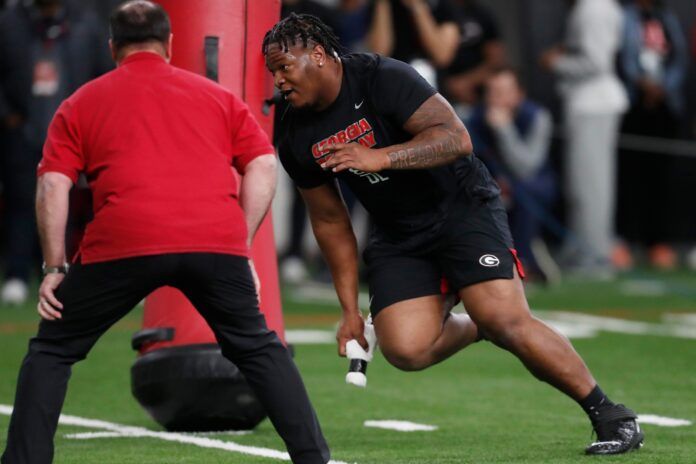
{"x":400,"y":426}
{"x":324,"y":293}
{"x":571,"y":324}
{"x":221,"y":432}
{"x":573,"y":330}
{"x":610,"y":324}
{"x":91,"y":435}
{"x":169,"y":436}
{"x":310,"y":337}
{"x":680,"y":318}
{"x":663,"y":421}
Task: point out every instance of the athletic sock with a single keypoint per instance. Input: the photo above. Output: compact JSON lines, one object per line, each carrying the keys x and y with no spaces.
{"x":595,"y":402}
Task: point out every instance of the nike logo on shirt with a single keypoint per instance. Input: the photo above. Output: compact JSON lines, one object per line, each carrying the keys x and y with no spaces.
{"x":358,"y":105}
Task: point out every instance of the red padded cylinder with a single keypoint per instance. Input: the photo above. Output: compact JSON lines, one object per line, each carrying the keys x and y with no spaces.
{"x":239,"y":26}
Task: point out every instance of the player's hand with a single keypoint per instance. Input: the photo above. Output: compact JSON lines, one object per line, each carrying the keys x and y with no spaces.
{"x":498,"y":116}
{"x":355,"y":156}
{"x":49,"y":307}
{"x":351,"y":327}
{"x":549,"y":57}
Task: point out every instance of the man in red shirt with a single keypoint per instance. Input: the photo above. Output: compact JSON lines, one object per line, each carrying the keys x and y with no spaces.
{"x":157,"y":145}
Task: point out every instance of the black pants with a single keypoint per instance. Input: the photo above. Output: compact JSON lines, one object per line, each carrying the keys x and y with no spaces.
{"x":95,"y":296}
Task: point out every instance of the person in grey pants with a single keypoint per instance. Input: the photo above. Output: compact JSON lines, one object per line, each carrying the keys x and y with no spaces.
{"x":593,"y":100}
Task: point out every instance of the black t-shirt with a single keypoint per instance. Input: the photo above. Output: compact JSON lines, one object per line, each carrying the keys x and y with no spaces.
{"x":378,"y":95}
{"x":477,"y":27}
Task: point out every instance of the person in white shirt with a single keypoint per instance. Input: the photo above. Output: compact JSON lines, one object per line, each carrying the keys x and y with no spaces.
{"x":593,"y":100}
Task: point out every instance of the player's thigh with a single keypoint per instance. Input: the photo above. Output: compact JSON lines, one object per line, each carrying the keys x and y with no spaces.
{"x":408,"y":329}
{"x":478,"y":258}
{"x":497,"y":306}
{"x":476,"y":245}
{"x":405,"y":301}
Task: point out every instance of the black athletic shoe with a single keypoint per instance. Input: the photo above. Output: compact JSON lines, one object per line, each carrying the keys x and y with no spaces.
{"x":617,"y":431}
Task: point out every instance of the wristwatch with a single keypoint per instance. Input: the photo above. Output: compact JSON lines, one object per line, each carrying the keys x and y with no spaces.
{"x":55,"y":269}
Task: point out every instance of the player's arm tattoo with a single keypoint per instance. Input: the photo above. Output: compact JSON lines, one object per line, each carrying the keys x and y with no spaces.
{"x":439,"y":137}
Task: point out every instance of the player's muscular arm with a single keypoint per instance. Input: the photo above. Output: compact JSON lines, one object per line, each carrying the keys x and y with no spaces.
{"x":334,"y":234}
{"x":439,"y":138}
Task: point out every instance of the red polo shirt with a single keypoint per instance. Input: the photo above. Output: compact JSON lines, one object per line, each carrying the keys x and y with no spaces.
{"x":157,"y":145}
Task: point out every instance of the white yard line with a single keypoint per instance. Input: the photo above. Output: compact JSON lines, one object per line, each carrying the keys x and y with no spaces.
{"x":399,"y":425}
{"x":611,"y":324}
{"x":324,"y":294}
{"x":139,"y":432}
{"x":570,"y":324}
{"x":687,"y":319}
{"x":310,"y":337}
{"x":92,"y":435}
{"x":663,"y":421}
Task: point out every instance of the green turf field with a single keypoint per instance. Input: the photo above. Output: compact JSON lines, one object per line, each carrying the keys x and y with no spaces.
{"x":487,"y":408}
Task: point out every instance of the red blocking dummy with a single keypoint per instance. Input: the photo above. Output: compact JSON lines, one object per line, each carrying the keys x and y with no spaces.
{"x":220,"y":39}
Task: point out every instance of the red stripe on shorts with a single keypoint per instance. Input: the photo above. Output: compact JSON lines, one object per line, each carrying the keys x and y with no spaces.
{"x":518,"y":263}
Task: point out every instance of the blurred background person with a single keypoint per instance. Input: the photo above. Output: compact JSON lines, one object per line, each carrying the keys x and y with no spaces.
{"x":653,"y":61}
{"x":354,"y":24}
{"x":48,"y":48}
{"x":593,"y":101}
{"x":422,"y":33}
{"x":321,"y":11}
{"x":479,"y":53}
{"x":512,"y":135}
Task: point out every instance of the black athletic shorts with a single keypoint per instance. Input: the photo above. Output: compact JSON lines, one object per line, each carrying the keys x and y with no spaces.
{"x":471,"y":246}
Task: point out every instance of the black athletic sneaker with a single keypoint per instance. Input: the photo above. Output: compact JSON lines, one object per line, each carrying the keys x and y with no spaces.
{"x":617,"y":431}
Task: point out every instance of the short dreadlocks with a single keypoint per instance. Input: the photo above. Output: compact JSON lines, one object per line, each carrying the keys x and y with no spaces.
{"x":305,"y":28}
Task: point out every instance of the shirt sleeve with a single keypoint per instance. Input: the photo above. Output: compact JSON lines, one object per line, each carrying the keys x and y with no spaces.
{"x":398,"y":90}
{"x":526,"y":155}
{"x":62,"y":151}
{"x":249,"y":141}
{"x":598,"y":36}
{"x":303,"y":177}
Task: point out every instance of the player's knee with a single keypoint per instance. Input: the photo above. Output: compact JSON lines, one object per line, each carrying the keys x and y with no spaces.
{"x":407,"y":358}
